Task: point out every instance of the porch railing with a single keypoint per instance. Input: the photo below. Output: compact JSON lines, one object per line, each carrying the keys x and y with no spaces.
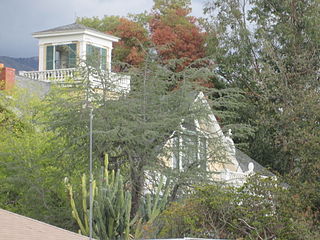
{"x":234,"y":178}
{"x":49,"y":75}
{"x":119,"y":82}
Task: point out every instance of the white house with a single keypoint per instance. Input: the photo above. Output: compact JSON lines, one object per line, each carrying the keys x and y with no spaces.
{"x":63,"y":49}
{"x":202,"y":143}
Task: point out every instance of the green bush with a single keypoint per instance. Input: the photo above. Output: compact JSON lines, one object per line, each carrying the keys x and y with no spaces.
{"x":261,"y":209}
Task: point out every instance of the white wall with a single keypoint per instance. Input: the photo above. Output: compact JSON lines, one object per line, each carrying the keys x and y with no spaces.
{"x":82,"y":38}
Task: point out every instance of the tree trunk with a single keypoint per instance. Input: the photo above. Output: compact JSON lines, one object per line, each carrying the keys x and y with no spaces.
{"x":137,"y":181}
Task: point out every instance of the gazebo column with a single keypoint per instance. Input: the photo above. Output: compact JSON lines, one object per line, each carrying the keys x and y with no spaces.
{"x":41,"y":61}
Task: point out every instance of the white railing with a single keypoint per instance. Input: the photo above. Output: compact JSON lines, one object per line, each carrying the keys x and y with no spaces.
{"x":120,"y":83}
{"x":234,"y":178}
{"x":237,"y":178}
{"x":49,"y":75}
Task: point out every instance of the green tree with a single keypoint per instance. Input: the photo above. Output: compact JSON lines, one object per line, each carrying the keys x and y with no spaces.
{"x":165,"y":6}
{"x":31,"y":176}
{"x":133,"y":128}
{"x":270,"y":49}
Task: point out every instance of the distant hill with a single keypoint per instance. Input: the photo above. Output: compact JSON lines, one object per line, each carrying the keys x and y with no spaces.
{"x":20,"y":64}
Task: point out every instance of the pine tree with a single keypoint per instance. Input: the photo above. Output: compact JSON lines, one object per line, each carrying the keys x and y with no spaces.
{"x":132,"y":128}
{"x":270,"y":49}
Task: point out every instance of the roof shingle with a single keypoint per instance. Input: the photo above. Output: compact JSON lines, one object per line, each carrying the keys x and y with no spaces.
{"x":17,"y":227}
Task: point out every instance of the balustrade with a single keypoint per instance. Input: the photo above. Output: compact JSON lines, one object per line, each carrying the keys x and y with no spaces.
{"x":49,"y":75}
{"x":121,"y":83}
{"x":235,"y":178}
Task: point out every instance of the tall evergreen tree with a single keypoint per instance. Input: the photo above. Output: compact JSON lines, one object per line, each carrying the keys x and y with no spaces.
{"x":270,"y":49}
{"x":132,"y":128}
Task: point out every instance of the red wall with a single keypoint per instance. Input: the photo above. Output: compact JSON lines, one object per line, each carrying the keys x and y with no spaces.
{"x":7,"y":77}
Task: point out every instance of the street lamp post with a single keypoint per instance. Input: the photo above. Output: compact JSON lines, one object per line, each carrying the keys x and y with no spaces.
{"x":91,"y":176}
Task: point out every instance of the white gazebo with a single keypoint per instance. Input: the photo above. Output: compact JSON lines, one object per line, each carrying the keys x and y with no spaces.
{"x":62,"y":49}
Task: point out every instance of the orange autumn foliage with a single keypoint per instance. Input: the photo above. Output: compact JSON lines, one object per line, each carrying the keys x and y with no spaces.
{"x":133,"y":38}
{"x":176,"y":35}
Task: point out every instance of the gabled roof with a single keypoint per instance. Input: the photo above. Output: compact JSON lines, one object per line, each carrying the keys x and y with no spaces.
{"x":17,"y":227}
{"x":72,"y":28}
{"x":242,"y":158}
{"x":244,"y":161}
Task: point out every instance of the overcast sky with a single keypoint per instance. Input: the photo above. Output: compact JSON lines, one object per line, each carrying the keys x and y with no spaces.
{"x":20,"y":18}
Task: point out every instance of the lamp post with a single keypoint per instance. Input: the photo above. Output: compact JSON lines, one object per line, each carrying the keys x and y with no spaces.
{"x":91,"y":177}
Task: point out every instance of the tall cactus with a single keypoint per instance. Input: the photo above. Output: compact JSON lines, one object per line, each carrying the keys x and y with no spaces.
{"x":112,"y":207}
{"x":81,"y":219}
{"x":156,"y":205}
{"x":151,"y":207}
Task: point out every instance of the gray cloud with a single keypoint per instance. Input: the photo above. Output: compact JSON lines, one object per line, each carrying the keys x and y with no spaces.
{"x":20,"y":18}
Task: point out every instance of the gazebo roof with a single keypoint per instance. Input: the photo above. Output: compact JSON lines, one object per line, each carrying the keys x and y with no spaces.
{"x":74,"y":27}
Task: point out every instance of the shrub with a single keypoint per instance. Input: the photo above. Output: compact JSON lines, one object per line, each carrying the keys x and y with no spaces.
{"x":261,"y":209}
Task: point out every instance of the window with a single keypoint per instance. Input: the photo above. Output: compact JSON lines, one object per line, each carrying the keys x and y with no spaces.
{"x":189,"y":150}
{"x":61,"y":56}
{"x":96,"y":57}
{"x":202,"y":151}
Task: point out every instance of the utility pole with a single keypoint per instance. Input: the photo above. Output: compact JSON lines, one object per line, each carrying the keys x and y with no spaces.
{"x":91,"y":175}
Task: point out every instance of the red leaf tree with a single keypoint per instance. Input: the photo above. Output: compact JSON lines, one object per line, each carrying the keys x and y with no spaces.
{"x":134,"y":37}
{"x":177,"y":36}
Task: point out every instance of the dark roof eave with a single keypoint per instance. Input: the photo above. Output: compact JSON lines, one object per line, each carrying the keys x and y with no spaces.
{"x":74,"y":27}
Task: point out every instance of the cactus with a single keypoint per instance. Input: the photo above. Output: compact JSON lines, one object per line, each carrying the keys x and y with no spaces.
{"x":156,"y":205}
{"x":82,"y":220}
{"x":111,"y":208}
{"x":151,"y":207}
